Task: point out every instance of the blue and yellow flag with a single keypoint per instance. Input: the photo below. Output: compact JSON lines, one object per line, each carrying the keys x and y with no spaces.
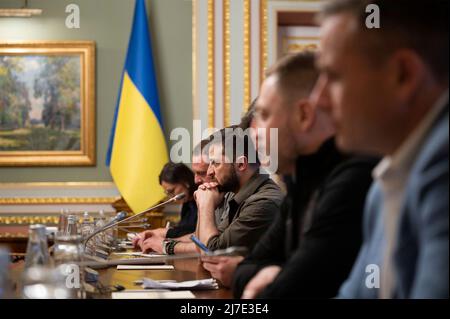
{"x":137,"y":149}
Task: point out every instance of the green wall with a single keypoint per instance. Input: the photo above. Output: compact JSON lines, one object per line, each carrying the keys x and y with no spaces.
{"x":108,"y":23}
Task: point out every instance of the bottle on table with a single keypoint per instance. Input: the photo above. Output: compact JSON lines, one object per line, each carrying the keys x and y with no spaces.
{"x":87,"y":225}
{"x":72,"y":227}
{"x":37,"y":247}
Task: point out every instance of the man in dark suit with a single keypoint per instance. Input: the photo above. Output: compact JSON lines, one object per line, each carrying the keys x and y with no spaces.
{"x":387,"y":90}
{"x":309,"y":250}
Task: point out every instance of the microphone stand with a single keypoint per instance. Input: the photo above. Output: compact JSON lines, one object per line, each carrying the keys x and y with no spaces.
{"x":97,"y":263}
{"x":173,"y":199}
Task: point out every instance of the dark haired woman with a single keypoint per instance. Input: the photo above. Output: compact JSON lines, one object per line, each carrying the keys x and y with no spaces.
{"x":175,"y":179}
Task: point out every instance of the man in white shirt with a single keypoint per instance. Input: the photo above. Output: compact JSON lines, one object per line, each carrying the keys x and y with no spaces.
{"x":387,"y":89}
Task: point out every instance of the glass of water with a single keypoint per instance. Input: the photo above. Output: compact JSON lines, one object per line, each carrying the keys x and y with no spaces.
{"x":44,"y":282}
{"x":68,"y":253}
{"x":37,"y":247}
{"x":6,"y":290}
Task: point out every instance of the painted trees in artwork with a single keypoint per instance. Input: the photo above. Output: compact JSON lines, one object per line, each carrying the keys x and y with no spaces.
{"x":59,"y":85}
{"x":14,"y":100}
{"x":40,"y":102}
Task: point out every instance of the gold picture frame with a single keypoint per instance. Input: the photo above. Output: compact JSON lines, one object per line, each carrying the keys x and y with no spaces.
{"x":47,"y":114}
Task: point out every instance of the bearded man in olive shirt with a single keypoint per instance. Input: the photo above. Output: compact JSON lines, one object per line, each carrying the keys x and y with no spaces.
{"x":246,"y":200}
{"x":252,"y":200}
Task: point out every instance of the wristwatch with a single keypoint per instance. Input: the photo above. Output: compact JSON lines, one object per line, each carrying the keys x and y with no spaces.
{"x":168,"y":246}
{"x":165,"y":242}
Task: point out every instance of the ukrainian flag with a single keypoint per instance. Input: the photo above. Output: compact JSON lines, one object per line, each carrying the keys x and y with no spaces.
{"x":137,"y":149}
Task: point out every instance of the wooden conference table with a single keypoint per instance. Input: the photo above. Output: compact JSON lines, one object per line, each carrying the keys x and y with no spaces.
{"x":186,"y":269}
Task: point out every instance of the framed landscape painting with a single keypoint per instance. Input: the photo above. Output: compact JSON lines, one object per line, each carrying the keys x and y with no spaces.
{"x":47,"y":103}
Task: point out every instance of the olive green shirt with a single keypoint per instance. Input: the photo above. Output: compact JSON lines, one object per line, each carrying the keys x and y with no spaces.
{"x":245,"y":216}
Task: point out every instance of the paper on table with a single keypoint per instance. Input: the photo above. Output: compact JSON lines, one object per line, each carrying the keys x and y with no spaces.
{"x":131,"y":236}
{"x":210,"y":283}
{"x":138,"y":254}
{"x":145,"y":267}
{"x":141,"y":281}
{"x":126,"y":245}
{"x":181,"y":294}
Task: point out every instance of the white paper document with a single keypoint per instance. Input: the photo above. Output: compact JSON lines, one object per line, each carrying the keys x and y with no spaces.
{"x":145,"y":267}
{"x":126,"y":246}
{"x":149,"y":294}
{"x":210,"y":283}
{"x":138,"y":254}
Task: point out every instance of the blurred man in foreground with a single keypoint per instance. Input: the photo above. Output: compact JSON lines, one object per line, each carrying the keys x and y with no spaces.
{"x":387,"y":90}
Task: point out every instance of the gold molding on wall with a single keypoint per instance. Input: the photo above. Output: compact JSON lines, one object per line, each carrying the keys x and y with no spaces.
{"x":275,"y":24}
{"x":57,"y":184}
{"x":195,"y":112}
{"x":27,"y":220}
{"x":56,"y":200}
{"x":247,"y":54}
{"x":226,"y":63}
{"x":48,"y":200}
{"x":288,"y":44}
{"x":14,"y":236}
{"x":211,"y":61}
{"x":262,"y":11}
{"x":263,"y":40}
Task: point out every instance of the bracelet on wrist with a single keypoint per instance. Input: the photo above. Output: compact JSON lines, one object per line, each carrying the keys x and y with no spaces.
{"x":171,"y":247}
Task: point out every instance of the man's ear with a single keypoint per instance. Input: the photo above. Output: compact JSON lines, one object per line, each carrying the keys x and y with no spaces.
{"x":241,"y":163}
{"x":409,"y":70}
{"x":305,"y":114}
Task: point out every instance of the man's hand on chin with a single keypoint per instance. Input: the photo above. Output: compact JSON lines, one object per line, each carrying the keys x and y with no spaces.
{"x":207,"y":195}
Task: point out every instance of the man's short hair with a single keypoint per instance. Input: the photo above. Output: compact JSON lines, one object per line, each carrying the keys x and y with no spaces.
{"x":296,"y":74}
{"x":201,"y":148}
{"x":418,"y":25}
{"x":246,"y":120}
{"x":235,"y":142}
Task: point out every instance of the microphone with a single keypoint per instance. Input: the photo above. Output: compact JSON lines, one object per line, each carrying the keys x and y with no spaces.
{"x":178,"y":197}
{"x":120,"y":217}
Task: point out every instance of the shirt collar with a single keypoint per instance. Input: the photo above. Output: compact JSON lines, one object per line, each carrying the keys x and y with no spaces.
{"x":250,"y":187}
{"x":404,"y":157}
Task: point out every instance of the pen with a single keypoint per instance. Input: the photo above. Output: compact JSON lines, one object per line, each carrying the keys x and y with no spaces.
{"x":199,"y":244}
